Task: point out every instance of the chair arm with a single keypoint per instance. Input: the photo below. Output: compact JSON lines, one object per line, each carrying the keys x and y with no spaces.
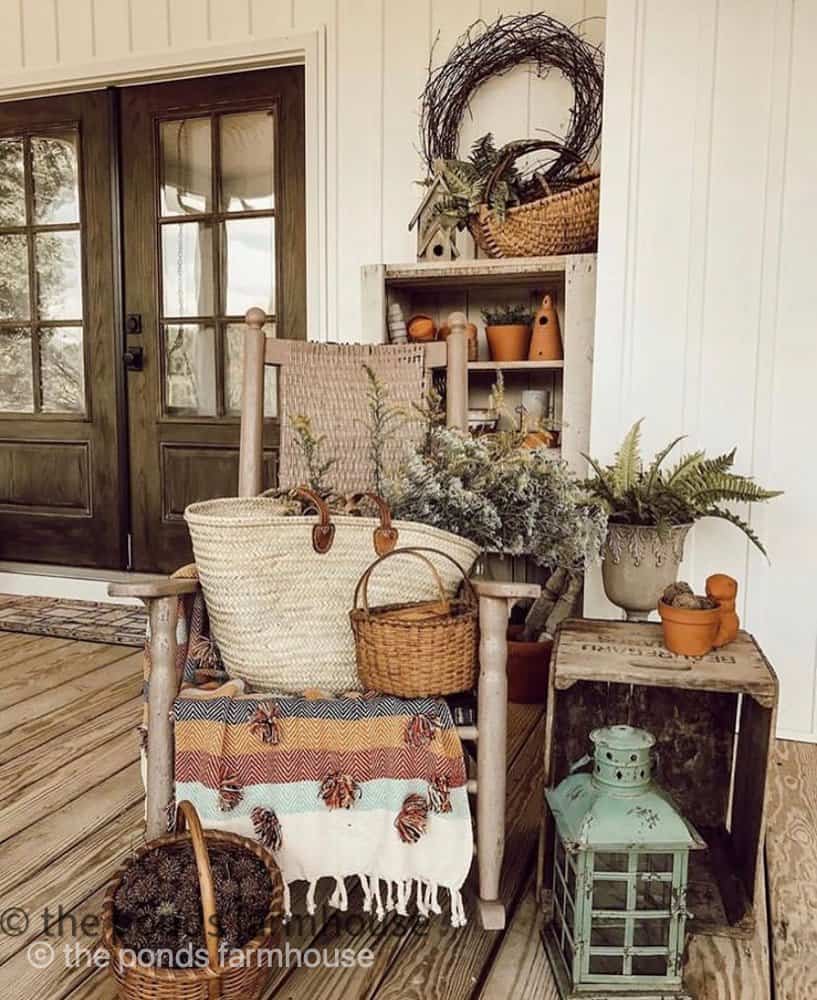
{"x":149,"y":590}
{"x":511,"y":591}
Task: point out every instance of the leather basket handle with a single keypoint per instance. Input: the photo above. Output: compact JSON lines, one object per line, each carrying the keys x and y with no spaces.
{"x":385,"y":535}
{"x":323,"y":533}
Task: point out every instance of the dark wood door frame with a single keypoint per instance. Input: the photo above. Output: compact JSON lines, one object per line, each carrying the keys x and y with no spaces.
{"x":164,"y":447}
{"x":64,"y":496}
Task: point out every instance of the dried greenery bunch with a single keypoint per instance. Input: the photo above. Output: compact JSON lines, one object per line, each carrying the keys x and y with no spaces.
{"x":502,"y":496}
{"x":695,"y":487}
{"x":510,"y":314}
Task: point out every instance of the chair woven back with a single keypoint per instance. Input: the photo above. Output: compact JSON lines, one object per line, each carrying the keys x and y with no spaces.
{"x":328,"y":383}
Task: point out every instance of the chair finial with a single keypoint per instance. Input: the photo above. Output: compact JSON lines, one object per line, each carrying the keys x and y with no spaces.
{"x":255,"y":317}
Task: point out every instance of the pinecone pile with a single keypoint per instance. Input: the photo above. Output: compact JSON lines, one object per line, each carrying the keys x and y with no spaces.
{"x":158,"y":902}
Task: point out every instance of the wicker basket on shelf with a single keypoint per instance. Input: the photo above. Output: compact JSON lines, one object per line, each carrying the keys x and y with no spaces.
{"x":565,"y":221}
{"x":244,"y":979}
{"x":420,"y":649}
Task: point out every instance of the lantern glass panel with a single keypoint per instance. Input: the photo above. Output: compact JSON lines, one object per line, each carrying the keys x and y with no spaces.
{"x":651,"y":933}
{"x":610,"y":895}
{"x":649,"y":965}
{"x":608,"y":861}
{"x":652,"y":894}
{"x":662,"y":863}
{"x":607,"y":932}
{"x":606,"y":965}
{"x":571,"y":878}
{"x":567,"y":953}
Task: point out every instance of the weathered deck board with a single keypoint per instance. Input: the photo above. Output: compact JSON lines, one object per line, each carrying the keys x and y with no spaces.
{"x":76,"y":815}
{"x":52,"y":665}
{"x":84,"y":687}
{"x":791,"y":852}
{"x":520,"y":967}
{"x":38,"y":731}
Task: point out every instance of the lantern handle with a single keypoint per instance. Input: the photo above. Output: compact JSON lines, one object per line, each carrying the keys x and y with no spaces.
{"x":580,"y":763}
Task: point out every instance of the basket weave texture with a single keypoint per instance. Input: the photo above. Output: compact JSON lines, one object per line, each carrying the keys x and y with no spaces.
{"x":245,"y":979}
{"x":561,"y":223}
{"x":416,"y":649}
{"x":279,"y":610}
{"x":328,"y":383}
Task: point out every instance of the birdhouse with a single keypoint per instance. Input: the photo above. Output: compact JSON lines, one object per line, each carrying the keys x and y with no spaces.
{"x":436,"y":229}
{"x":620,"y":863}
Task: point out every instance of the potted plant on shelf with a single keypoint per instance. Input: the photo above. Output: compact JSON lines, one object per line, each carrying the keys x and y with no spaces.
{"x":651,"y":510}
{"x":508,"y":329}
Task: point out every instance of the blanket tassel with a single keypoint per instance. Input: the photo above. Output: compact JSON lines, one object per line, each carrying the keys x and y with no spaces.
{"x":367,"y":893}
{"x":381,"y":913}
{"x":457,"y":909}
{"x":339,"y":899}
{"x":287,"y":902}
{"x":422,"y":909}
{"x":310,"y":897}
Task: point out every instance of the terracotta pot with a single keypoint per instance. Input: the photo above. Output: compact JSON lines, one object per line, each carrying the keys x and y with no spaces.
{"x":527,"y":668}
{"x":546,"y":341}
{"x":421,"y":329}
{"x":638,"y":566}
{"x":470,"y":339}
{"x":687,"y":631}
{"x":508,"y":342}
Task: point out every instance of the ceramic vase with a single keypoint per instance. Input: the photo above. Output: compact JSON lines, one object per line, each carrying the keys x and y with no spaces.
{"x":546,"y":340}
{"x":638,"y":565}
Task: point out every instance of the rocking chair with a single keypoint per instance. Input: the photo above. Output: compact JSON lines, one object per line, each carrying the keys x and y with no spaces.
{"x":495,"y":601}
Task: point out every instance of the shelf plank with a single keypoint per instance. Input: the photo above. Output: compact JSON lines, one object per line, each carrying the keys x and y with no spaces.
{"x":522,"y":270}
{"x":508,"y":366}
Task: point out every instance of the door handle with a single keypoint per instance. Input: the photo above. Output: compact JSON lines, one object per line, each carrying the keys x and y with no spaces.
{"x":134,"y":359}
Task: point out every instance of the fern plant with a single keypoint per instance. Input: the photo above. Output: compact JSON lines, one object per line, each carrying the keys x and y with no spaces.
{"x":693,"y":488}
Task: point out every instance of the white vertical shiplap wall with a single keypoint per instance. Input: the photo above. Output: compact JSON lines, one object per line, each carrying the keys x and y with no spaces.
{"x":377,"y":55}
{"x":707,"y":295}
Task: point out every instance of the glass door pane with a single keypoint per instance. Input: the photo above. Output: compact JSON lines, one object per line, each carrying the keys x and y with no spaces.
{"x":41,"y":283}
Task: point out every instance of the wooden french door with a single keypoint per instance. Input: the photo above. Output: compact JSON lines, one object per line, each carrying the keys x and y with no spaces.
{"x":213,"y":223}
{"x":62,"y":458}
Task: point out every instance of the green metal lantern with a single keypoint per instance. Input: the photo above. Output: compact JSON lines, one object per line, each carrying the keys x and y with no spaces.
{"x":620,"y":865}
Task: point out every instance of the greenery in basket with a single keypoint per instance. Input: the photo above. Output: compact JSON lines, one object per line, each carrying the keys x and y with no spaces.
{"x":512,"y":314}
{"x":695,"y":487}
{"x":311,"y":446}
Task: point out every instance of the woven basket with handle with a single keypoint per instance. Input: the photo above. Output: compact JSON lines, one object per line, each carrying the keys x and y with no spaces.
{"x":237,"y":979}
{"x":565,"y":221}
{"x":278,"y":588}
{"x":417,"y":649}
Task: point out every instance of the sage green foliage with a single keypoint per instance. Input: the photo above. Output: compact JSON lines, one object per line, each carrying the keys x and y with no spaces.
{"x":695,"y":487}
{"x":466,"y":180}
{"x":502,"y":496}
{"x":311,"y":446}
{"x":511,"y":314}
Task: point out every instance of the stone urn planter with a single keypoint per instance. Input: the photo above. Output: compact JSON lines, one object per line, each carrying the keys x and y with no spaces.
{"x":638,"y":565}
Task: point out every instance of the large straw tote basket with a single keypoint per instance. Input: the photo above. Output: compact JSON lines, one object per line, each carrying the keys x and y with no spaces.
{"x":242,"y":978}
{"x":416,"y":649}
{"x":565,"y":221}
{"x":278,"y":588}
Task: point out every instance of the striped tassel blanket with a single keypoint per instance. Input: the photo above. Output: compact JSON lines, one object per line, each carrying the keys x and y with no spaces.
{"x":363,"y":786}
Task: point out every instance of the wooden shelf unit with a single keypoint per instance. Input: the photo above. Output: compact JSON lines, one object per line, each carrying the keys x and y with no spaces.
{"x":470,"y":286}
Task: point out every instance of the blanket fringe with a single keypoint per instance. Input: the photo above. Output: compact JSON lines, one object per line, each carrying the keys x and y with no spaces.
{"x":398,"y":894}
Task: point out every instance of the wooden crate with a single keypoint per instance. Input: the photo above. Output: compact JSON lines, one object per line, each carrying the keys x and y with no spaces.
{"x":603,"y":673}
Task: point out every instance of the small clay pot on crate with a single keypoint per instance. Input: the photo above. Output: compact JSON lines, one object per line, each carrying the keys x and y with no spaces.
{"x":689,"y":631}
{"x":508,"y":342}
{"x":527,"y":668}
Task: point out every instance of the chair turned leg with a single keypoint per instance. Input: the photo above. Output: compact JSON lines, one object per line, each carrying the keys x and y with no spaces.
{"x":492,"y":723}
{"x":160,"y":785}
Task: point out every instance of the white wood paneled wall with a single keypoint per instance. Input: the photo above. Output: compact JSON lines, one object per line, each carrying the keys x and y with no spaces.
{"x":377,"y":59}
{"x":707,"y":295}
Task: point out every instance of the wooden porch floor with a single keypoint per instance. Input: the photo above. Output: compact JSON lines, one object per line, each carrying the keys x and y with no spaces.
{"x":71,"y":811}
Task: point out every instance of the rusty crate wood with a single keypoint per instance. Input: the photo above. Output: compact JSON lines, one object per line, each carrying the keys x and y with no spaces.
{"x":714,"y":722}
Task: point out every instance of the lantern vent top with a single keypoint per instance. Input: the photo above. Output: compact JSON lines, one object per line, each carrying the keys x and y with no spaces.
{"x":623,"y":757}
